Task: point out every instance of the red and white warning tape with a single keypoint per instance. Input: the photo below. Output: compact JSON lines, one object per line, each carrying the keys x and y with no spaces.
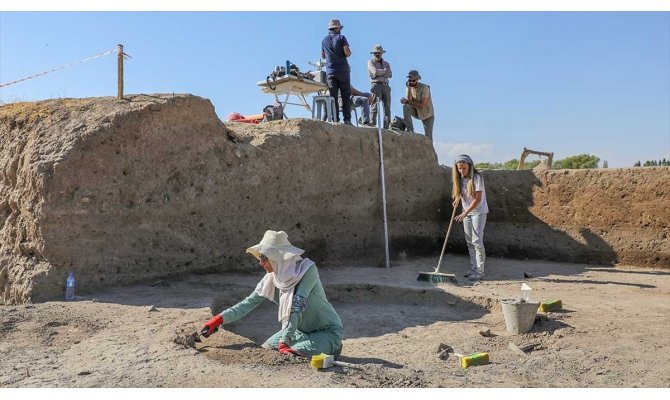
{"x":59,"y":68}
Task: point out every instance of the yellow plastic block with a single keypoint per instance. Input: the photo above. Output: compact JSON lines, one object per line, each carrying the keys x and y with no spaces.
{"x":474,"y":359}
{"x":317,"y":360}
{"x":551,"y":306}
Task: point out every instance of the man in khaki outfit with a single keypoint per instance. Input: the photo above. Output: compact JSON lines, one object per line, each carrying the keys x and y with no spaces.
{"x":380,"y":72}
{"x":418,"y":104}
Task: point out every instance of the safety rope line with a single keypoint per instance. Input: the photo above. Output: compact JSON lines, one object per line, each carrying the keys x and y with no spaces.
{"x":59,"y":68}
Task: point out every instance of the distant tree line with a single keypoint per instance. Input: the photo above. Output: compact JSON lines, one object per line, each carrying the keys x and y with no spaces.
{"x":581,"y":161}
{"x":653,"y":163}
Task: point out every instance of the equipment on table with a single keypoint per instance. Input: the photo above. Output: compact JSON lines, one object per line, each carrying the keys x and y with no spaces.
{"x":319,"y":75}
{"x":293,"y":83}
{"x":280,"y":71}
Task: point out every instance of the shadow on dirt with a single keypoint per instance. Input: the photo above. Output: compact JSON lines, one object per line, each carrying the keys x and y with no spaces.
{"x":552,"y":323}
{"x":592,"y":282}
{"x":635,"y":272}
{"x":371,"y":360}
{"x":232,"y":348}
{"x":366,"y":310}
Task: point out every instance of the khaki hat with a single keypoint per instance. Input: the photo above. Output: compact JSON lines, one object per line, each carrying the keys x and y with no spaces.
{"x":414,"y":74}
{"x":377,"y":49}
{"x":335,"y":23}
{"x":275,"y":246}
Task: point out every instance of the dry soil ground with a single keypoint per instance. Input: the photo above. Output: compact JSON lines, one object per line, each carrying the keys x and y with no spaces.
{"x":613,"y":332}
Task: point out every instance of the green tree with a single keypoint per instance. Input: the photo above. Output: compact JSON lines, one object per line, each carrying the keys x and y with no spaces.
{"x":581,"y":161}
{"x":654,"y":163}
{"x":511,"y":164}
{"x":605,"y":164}
{"x":483,"y":165}
{"x":488,"y":165}
{"x":637,"y":164}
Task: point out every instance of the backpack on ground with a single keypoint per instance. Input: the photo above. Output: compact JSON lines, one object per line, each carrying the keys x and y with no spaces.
{"x":398,"y":124}
{"x":273,"y":112}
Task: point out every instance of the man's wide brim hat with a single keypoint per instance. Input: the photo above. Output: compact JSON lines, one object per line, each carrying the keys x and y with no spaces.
{"x":335,"y":23}
{"x":377,"y":49}
{"x":275,"y":246}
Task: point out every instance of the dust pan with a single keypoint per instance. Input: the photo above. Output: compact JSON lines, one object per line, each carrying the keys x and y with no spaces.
{"x":437,"y":276}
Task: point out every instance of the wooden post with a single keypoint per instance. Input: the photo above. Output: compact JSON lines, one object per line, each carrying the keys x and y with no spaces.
{"x":120,"y":72}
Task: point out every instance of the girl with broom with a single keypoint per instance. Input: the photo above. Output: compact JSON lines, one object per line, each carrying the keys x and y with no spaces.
{"x":468,"y":189}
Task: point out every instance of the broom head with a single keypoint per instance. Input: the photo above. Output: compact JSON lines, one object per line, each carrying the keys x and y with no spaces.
{"x":436,"y":277}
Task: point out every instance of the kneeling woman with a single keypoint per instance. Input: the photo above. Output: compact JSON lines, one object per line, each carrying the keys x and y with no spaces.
{"x":309,"y":322}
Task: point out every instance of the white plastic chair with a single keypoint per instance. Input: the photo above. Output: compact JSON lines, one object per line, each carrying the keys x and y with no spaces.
{"x":328,"y":104}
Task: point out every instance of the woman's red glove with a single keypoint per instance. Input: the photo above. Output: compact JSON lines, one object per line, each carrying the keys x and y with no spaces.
{"x":287,"y":350}
{"x":211,"y":326}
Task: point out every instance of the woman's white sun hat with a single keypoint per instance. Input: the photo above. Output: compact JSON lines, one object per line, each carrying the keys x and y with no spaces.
{"x":275,"y":246}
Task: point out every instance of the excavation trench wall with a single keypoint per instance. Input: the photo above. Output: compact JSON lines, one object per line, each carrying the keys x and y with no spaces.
{"x":125,"y":191}
{"x":132,"y":190}
{"x":596,"y":216}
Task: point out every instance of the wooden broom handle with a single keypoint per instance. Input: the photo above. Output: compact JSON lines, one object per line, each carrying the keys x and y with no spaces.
{"x":444,"y":246}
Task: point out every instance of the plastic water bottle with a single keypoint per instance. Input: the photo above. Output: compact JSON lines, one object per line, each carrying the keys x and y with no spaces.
{"x":69,"y":287}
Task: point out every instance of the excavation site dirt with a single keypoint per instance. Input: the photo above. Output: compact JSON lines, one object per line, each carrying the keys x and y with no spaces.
{"x":151,"y":202}
{"x":613,"y":322}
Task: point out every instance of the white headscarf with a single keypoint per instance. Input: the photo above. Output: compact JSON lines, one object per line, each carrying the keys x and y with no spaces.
{"x":285,"y":277}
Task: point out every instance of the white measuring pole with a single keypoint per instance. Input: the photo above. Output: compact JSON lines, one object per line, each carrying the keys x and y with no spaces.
{"x":381,"y":171}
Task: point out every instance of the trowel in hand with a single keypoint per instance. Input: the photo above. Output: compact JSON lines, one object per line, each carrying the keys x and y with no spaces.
{"x":193,"y":338}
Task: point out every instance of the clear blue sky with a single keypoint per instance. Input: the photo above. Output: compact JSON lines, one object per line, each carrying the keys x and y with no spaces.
{"x":567,"y":82}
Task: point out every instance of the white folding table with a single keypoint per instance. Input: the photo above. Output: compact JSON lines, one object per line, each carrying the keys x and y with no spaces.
{"x":291,"y":85}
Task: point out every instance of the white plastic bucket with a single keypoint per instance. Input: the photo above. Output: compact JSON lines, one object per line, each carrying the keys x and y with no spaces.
{"x":519,"y":315}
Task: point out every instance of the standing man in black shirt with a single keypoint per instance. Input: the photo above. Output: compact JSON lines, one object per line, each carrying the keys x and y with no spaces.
{"x":335,"y":49}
